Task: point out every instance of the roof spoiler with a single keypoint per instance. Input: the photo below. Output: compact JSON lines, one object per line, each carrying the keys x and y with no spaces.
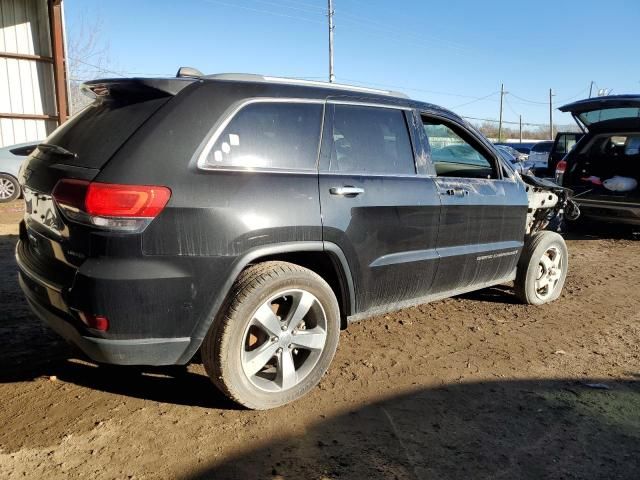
{"x":147,"y":88}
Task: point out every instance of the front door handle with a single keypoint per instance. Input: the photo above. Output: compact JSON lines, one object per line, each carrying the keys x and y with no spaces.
{"x":346,"y":191}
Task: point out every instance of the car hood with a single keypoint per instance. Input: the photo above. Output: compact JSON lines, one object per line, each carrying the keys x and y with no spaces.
{"x":590,"y":112}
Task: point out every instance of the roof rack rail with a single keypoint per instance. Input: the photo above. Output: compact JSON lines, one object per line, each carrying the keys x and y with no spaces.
{"x":251,"y":77}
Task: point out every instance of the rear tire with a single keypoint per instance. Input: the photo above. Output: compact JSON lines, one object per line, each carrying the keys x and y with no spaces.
{"x":9,"y":188}
{"x":542,"y":268}
{"x":274,"y":338}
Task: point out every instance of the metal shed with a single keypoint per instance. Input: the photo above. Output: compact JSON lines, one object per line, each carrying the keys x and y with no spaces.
{"x":33,"y":91}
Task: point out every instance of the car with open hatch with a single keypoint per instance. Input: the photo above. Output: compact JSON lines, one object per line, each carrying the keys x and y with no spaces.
{"x":603,"y":168}
{"x":251,"y":218}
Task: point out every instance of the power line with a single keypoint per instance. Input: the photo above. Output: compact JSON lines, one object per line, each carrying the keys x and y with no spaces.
{"x":300,"y":7}
{"x":400,"y":87}
{"x":476,"y":100}
{"x":119,"y":73}
{"x":527,"y":100}
{"x":309,"y":5}
{"x":506,"y":101}
{"x":371,"y":24}
{"x":504,"y":121}
{"x":267,"y":12}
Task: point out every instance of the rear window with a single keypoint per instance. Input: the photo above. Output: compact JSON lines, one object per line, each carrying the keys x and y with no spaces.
{"x":595,"y":116}
{"x":100,"y":129}
{"x":269,"y":135}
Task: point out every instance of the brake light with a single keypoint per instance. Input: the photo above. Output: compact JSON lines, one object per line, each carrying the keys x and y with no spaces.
{"x":97,"y":322}
{"x":110,"y":206}
{"x":561,"y":167}
{"x":110,"y":200}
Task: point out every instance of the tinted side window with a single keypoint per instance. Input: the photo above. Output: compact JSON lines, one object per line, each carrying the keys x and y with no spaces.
{"x":270,"y":135}
{"x":371,"y":140}
{"x":453,"y":156}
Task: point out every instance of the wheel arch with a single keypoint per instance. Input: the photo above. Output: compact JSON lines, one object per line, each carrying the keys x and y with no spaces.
{"x":324,"y":258}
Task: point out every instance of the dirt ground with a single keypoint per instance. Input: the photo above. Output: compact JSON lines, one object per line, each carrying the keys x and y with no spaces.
{"x":470,"y":387}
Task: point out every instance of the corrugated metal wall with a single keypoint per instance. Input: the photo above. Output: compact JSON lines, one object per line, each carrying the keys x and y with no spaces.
{"x":26,"y":85}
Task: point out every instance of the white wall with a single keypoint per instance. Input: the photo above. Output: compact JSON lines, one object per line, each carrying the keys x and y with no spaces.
{"x":26,"y":86}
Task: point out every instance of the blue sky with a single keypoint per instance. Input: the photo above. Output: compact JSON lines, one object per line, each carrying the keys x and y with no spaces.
{"x":450,"y":52}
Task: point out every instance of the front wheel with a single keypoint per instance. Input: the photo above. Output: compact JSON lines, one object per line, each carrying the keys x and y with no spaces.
{"x":542,"y":268}
{"x":276,"y":336}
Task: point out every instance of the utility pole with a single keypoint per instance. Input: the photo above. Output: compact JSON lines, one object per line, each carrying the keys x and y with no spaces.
{"x":332,"y":77}
{"x":591,"y":88}
{"x":520,"y":128}
{"x":500,"y":123}
{"x":550,"y":114}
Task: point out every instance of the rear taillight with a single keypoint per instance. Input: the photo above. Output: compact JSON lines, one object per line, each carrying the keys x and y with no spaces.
{"x":110,"y":206}
{"x":561,"y":167}
{"x":97,"y":322}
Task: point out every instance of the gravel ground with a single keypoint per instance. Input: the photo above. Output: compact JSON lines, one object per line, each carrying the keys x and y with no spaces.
{"x":471,"y":387}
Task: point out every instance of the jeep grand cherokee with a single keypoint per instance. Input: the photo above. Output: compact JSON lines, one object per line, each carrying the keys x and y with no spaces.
{"x":251,"y":218}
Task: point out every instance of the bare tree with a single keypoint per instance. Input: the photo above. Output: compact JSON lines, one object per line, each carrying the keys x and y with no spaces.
{"x":87,"y":57}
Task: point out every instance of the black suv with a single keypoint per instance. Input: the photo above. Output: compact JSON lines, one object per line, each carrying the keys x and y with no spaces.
{"x":604,"y":166}
{"x":251,"y":218}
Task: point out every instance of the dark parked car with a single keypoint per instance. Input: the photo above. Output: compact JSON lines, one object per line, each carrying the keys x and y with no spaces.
{"x":563,"y":144}
{"x":604,"y":166}
{"x":251,"y":218}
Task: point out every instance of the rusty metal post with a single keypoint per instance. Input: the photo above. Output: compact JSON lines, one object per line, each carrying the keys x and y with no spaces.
{"x":59,"y":70}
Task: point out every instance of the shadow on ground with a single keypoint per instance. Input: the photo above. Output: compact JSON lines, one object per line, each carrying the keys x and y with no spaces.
{"x":505,"y":429}
{"x":586,"y":229}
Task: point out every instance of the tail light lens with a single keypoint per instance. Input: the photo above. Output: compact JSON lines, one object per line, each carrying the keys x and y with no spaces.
{"x":561,"y":167}
{"x":97,"y":322}
{"x":110,"y":206}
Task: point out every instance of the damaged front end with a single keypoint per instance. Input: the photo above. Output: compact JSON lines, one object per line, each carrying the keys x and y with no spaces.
{"x":549,"y":204}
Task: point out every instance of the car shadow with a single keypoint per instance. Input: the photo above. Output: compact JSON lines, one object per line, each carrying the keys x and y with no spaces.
{"x":497,"y":294}
{"x":585,"y":229}
{"x":504,"y":429}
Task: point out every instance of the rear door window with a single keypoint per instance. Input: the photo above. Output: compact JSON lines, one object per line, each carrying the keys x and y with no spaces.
{"x":371,"y":140}
{"x":269,"y":135}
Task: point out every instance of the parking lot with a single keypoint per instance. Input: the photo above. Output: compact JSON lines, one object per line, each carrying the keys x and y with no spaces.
{"x":477,"y":386}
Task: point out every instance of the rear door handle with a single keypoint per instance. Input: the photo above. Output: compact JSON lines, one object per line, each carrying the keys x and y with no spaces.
{"x":456,"y":192}
{"x":346,"y":191}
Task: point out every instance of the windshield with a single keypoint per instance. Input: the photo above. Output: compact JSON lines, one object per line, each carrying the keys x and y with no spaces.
{"x":542,"y":147}
{"x":506,"y":155}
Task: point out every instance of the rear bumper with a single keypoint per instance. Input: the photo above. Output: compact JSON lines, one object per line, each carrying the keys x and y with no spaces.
{"x":610,"y":211}
{"x":49,"y":302}
{"x":151,"y":351}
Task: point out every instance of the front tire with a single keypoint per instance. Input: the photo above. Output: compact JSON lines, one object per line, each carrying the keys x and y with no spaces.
{"x":275,"y":337}
{"x":9,"y":188}
{"x":542,"y":268}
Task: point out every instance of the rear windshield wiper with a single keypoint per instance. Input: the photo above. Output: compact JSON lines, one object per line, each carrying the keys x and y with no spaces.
{"x":49,"y":147}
